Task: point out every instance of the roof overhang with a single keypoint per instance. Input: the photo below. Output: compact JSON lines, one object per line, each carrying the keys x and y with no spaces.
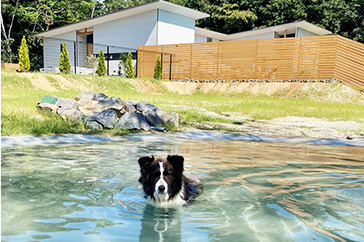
{"x":280,"y":29}
{"x":210,"y":34}
{"x":170,"y":7}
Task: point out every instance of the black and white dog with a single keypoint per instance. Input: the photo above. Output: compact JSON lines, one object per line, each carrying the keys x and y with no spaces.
{"x":163,"y":181}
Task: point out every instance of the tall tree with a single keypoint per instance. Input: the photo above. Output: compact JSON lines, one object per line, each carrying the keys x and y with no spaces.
{"x":64,"y":61}
{"x":101,"y":68}
{"x":24,"y":63}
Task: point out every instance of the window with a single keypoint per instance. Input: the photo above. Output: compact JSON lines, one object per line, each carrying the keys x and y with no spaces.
{"x":209,"y":39}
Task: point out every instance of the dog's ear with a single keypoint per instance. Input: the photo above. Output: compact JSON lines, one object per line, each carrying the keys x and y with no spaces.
{"x":144,"y":163}
{"x":177,"y":162}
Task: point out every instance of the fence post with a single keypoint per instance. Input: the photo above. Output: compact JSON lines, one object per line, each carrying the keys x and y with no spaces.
{"x":74,"y":55}
{"x":108,"y":59}
{"x":162,"y":65}
{"x":170,"y":67}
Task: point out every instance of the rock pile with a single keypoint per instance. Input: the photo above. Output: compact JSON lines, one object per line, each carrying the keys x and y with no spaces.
{"x":98,"y":111}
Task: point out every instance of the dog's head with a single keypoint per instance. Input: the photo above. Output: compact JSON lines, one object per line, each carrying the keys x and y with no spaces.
{"x":161,"y":177}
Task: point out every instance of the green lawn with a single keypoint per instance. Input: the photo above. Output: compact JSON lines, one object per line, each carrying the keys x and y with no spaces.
{"x":19,"y":98}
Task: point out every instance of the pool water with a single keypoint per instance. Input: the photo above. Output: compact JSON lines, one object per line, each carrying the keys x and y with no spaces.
{"x":254,"y":191}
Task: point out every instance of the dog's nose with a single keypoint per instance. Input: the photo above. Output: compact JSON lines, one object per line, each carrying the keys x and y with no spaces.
{"x":161,"y":188}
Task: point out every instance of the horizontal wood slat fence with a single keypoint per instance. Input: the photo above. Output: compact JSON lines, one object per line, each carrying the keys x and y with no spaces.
{"x":304,"y":58}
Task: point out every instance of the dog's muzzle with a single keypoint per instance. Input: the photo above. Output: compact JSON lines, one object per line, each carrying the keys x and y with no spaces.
{"x":161,"y":189}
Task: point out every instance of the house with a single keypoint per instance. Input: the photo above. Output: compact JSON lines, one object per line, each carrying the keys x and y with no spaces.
{"x":155,"y":23}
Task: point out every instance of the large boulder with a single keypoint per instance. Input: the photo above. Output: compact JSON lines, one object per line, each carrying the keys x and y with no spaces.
{"x":85,"y":97}
{"x":66,"y":104}
{"x":133,"y":121}
{"x":46,"y":107}
{"x":144,"y":107}
{"x":153,"y":119}
{"x":171,"y":118}
{"x":72,"y":115}
{"x":107,"y":118}
{"x":130,"y":106}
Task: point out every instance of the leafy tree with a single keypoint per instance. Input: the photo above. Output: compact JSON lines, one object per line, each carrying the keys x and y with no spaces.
{"x":24,"y":63}
{"x":158,"y":69}
{"x":129,"y":69}
{"x":64,"y":61}
{"x":101,"y":69}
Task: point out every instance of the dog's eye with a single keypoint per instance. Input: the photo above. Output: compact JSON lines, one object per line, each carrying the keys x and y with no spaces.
{"x":167,"y":174}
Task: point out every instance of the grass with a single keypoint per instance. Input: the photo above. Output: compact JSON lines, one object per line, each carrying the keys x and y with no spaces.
{"x":20,"y":115}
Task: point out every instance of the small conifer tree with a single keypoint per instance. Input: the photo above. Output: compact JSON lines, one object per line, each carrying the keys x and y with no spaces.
{"x":129,"y":69}
{"x":64,"y":61}
{"x":101,"y":69}
{"x":24,"y":62}
{"x":158,"y":69}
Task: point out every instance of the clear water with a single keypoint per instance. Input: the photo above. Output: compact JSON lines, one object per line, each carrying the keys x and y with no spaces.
{"x":254,"y":191}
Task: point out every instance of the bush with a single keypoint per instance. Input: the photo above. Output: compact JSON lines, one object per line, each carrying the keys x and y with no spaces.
{"x":122,"y":63}
{"x":24,"y":62}
{"x":158,"y":69}
{"x":64,"y":61}
{"x":129,"y":69}
{"x":101,"y":69}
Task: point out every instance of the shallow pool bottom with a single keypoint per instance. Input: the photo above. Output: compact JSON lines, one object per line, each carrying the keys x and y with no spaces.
{"x":254,"y":191}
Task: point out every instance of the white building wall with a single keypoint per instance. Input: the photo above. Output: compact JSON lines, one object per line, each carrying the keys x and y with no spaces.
{"x":128,"y":33}
{"x":52,"y":48}
{"x":259,"y":36}
{"x":175,"y":29}
{"x":303,"y":33}
{"x":200,"y":39}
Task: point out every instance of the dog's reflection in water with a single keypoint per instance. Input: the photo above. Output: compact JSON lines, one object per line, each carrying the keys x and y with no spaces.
{"x":160,"y":224}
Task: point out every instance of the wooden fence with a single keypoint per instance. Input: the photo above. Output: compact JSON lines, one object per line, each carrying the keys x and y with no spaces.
{"x":310,"y":58}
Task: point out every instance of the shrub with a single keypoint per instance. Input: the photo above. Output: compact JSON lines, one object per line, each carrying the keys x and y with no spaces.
{"x":101,"y":69}
{"x":129,"y":69}
{"x":91,"y":62}
{"x":158,"y":69}
{"x":24,"y":62}
{"x":64,"y":61}
{"x":122,"y":63}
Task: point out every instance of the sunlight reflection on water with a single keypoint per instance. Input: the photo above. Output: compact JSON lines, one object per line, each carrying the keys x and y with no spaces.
{"x":254,"y":191}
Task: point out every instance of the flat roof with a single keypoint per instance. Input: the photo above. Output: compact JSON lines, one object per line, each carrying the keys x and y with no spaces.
{"x":159,"y":4}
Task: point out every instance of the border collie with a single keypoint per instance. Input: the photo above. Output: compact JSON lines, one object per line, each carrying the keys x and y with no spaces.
{"x":163,"y":181}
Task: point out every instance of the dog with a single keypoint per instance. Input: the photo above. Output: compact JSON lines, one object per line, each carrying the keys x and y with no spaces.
{"x":164,"y":183}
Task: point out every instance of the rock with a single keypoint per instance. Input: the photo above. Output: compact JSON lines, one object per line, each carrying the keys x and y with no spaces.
{"x":134,"y":121}
{"x":46,"y":107}
{"x":95,"y":106}
{"x":72,"y":115}
{"x":93,"y":125}
{"x":130,"y":106}
{"x":144,"y":107}
{"x":66,"y":104}
{"x":153,"y":119}
{"x":85,"y":97}
{"x":48,"y":99}
{"x":107,"y":118}
{"x":171,"y":118}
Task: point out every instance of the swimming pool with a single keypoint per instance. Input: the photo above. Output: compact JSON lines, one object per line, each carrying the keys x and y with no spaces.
{"x":254,"y":191}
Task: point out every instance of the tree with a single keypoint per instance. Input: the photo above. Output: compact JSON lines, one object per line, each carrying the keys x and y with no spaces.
{"x":158,"y":69}
{"x":24,"y":63}
{"x":64,"y":61}
{"x":122,"y":63}
{"x":91,"y":62}
{"x":129,"y":69}
{"x":101,"y":69}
